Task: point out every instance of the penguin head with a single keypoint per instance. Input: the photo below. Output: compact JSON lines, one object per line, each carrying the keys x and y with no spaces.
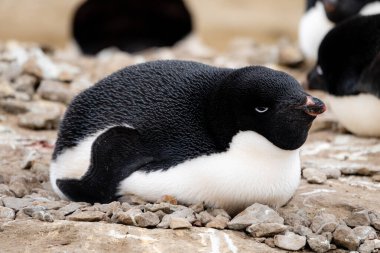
{"x":343,"y":55}
{"x":268,"y":102}
{"x":339,"y":10}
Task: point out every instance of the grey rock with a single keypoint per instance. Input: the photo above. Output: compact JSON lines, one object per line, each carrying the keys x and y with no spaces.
{"x":128,"y":217}
{"x":218,"y":211}
{"x":132,"y":199}
{"x":13,"y":106}
{"x":50,"y":204}
{"x":324,"y":222}
{"x":345,"y":237}
{"x":204,"y":217}
{"x":87,"y":216}
{"x":266,"y":229}
{"x":43,"y":216}
{"x":33,"y":209}
{"x":109,"y":208}
{"x":254,"y":214}
{"x":186,"y":213}
{"x":367,"y":247}
{"x":219,"y":222}
{"x":6,"y":91}
{"x":2,"y":180}
{"x":44,"y":116}
{"x":318,"y":243}
{"x":55,"y":91}
{"x":197,"y":208}
{"x":165,"y":207}
{"x":377,"y":243}
{"x":290,"y":241}
{"x":176,"y":223}
{"x":365,"y":233}
{"x":160,"y":214}
{"x":7,"y":213}
{"x":16,"y":203}
{"x":5,"y":191}
{"x":358,"y":218}
{"x":302,"y":230}
{"x":375,"y":219}
{"x":25,"y":83}
{"x":19,"y":189}
{"x":57,"y":215}
{"x":147,"y":219}
{"x":72,"y":207}
{"x":270,"y":242}
{"x":296,"y":218}
{"x":314,"y":176}
{"x":126,"y":206}
{"x":376,"y":177}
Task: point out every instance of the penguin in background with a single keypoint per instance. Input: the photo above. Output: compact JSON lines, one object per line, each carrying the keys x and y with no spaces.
{"x":130,"y":25}
{"x":348,"y":68}
{"x":226,"y":137}
{"x":322,"y":15}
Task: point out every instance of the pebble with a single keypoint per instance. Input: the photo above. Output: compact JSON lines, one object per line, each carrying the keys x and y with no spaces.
{"x":5,"y":191}
{"x":13,"y":106}
{"x":147,"y":219}
{"x":297,"y":218}
{"x":55,"y":91}
{"x":19,"y":189}
{"x":302,"y":230}
{"x":270,"y":242}
{"x":197,"y":208}
{"x":219,"y":222}
{"x":168,"y":199}
{"x":358,"y":218}
{"x":375,"y":219}
{"x":289,"y":55}
{"x":204,"y":217}
{"x":16,"y":203}
{"x":43,"y":216}
{"x":72,"y":207}
{"x":345,"y":237}
{"x":128,"y":217}
{"x":376,"y":177}
{"x":132,"y":199}
{"x":176,"y":223}
{"x":89,"y":216}
{"x":314,"y":176}
{"x":185,"y":212}
{"x":45,"y":115}
{"x":290,"y":241}
{"x":6,"y":91}
{"x":165,"y":207}
{"x":218,"y":211}
{"x":254,"y":214}
{"x":324,"y":222}
{"x":266,"y":229}
{"x":33,"y":209}
{"x":318,"y":243}
{"x":365,"y":233}
{"x":7,"y":213}
{"x":367,"y":247}
{"x":26,"y":84}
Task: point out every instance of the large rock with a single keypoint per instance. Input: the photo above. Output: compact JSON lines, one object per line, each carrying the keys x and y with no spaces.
{"x":255,"y":214}
{"x":69,"y":236}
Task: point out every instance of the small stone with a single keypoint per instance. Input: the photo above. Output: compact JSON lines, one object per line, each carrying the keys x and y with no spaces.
{"x":7,"y":213}
{"x":72,"y":207}
{"x":266,"y":229}
{"x":126,"y":206}
{"x":165,"y":207}
{"x":185,"y":212}
{"x":318,"y":243}
{"x":324,"y":222}
{"x":367,"y":247}
{"x":55,"y":91}
{"x":290,"y":241}
{"x":132,"y":199}
{"x":33,"y":209}
{"x":176,"y":223}
{"x":13,"y":106}
{"x":254,"y":214}
{"x":298,"y":218}
{"x":376,"y":177}
{"x":43,"y":216}
{"x":290,"y":56}
{"x":218,"y":211}
{"x":358,"y":218}
{"x":6,"y":91}
{"x":16,"y":203}
{"x":160,"y":214}
{"x":345,"y":237}
{"x":147,"y":219}
{"x":270,"y":242}
{"x":375,"y":219}
{"x":5,"y":191}
{"x":377,"y":244}
{"x":57,"y":215}
{"x":128,"y":217}
{"x":48,"y":119}
{"x":302,"y":230}
{"x":25,"y":83}
{"x":168,"y":199}
{"x":19,"y":189}
{"x":87,"y":216}
{"x":314,"y":176}
{"x":197,"y":208}
{"x":219,"y":222}
{"x":365,"y":233}
{"x":205,"y":217}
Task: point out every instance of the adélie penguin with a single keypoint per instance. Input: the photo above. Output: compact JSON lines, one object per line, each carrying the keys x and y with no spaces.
{"x":322,"y":15}
{"x":227,"y":137}
{"x":348,"y":68}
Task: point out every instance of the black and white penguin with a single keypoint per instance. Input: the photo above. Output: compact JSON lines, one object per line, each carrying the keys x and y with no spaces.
{"x":130,"y":25}
{"x":348,"y":68}
{"x":322,"y":15}
{"x":227,"y":137}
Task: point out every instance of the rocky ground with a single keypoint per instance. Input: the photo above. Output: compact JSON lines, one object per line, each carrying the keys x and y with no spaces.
{"x":336,"y":208}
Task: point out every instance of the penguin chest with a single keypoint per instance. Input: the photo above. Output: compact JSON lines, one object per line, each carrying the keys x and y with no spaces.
{"x":360,"y":114}
{"x":252,"y":170}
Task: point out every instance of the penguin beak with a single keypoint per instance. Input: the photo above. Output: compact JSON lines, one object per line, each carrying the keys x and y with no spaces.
{"x":313,"y":106}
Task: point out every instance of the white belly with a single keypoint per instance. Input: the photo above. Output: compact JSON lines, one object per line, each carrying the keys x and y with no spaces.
{"x":360,"y":114}
{"x":252,"y":170}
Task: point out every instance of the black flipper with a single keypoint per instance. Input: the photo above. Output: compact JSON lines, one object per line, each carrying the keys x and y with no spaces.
{"x":370,"y":79}
{"x":115,"y":155}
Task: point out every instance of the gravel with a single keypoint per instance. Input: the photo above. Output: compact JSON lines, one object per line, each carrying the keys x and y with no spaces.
{"x":290,"y":241}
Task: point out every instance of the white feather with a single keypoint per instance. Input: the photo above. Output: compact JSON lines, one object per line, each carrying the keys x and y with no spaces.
{"x":313,"y":27}
{"x":360,"y":114}
{"x":252,"y":170}
{"x":370,"y":9}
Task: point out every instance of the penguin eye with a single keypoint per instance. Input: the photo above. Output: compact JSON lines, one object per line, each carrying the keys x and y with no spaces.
{"x":261,"y":109}
{"x":319,"y":70}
